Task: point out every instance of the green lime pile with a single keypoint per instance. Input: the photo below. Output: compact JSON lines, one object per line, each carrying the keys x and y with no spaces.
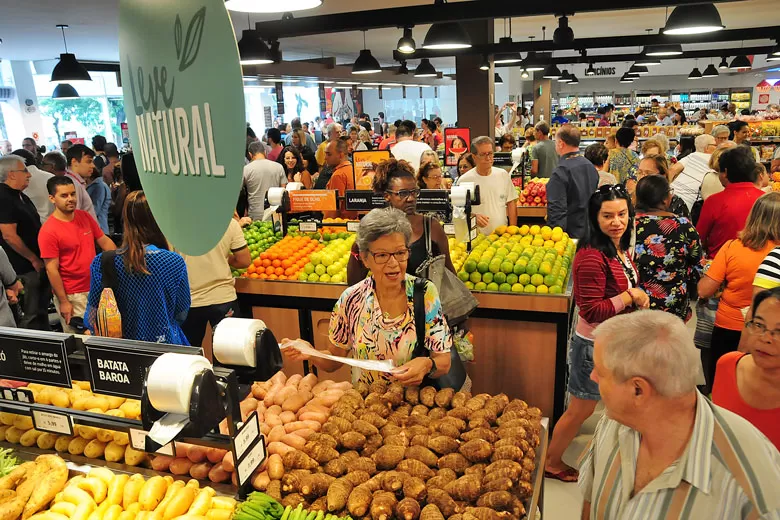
{"x":520,"y":260}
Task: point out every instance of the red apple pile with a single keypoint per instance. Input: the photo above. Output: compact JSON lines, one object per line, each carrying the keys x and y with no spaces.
{"x":534,"y":193}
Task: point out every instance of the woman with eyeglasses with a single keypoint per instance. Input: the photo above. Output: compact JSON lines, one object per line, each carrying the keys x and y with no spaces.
{"x":466,"y":162}
{"x":396,"y":181}
{"x":659,"y":165}
{"x":734,"y":268}
{"x":374,"y":319}
{"x":605,"y":284}
{"x":668,"y":250}
{"x":748,"y":382}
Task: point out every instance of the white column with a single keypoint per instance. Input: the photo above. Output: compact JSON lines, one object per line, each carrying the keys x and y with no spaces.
{"x":22,"y":115}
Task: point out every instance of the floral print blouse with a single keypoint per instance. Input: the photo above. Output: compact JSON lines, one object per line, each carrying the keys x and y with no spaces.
{"x":358,"y":326}
{"x":623,"y":164}
{"x":668,"y":256}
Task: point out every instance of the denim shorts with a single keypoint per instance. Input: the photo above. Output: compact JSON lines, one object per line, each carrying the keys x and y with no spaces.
{"x":580,"y":368}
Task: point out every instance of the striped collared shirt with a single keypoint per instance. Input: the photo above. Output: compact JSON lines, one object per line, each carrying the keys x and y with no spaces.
{"x":729,"y":470}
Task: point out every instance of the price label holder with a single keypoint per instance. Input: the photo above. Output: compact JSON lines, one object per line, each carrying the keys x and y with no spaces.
{"x":352,"y":227}
{"x":138,"y":442}
{"x":52,"y":422}
{"x":20,"y":395}
{"x":363,"y":200}
{"x":449,"y":229}
{"x":118,"y":367}
{"x":307,"y":227}
{"x":35,"y":356}
{"x":248,"y":448}
{"x":433,"y":200}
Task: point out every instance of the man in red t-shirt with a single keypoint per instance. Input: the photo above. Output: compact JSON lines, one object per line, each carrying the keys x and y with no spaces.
{"x":67,"y":243}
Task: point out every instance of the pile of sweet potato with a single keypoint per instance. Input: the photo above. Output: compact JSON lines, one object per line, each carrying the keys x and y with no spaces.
{"x":409,"y":453}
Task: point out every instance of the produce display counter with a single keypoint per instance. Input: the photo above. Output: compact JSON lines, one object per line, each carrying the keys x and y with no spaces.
{"x":535,"y":212}
{"x":520,"y":340}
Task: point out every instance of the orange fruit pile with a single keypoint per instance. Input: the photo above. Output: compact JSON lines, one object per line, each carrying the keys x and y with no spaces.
{"x":284,"y":260}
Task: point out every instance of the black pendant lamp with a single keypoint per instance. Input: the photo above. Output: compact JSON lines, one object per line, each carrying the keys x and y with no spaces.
{"x":403,"y":69}
{"x":498,"y":80}
{"x":626,"y":79}
{"x":695,"y":73}
{"x":366,"y":63}
{"x":68,"y":69}
{"x":775,"y":54}
{"x":485,"y":65}
{"x":446,"y":35}
{"x":724,"y":64}
{"x":533,"y":62}
{"x":710,"y":72}
{"x":590,"y":71}
{"x":563,"y":35}
{"x":740,"y":62}
{"x":551,"y":72}
{"x":666,"y":49}
{"x":406,"y":44}
{"x":64,"y":91}
{"x":573,"y":80}
{"x":639,"y":70}
{"x":694,"y":19}
{"x":647,"y":61}
{"x":565,"y":77}
{"x":524,"y":74}
{"x":425,"y":69}
{"x":252,"y":50}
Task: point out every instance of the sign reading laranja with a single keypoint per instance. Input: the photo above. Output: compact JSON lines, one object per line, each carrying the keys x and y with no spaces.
{"x":183,"y":91}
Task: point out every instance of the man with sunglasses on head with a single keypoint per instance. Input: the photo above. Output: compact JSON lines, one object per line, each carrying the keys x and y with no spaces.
{"x":496,"y":192}
{"x":342,"y":179}
{"x":572,"y":183}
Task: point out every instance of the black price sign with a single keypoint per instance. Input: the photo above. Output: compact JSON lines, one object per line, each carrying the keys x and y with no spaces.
{"x":364,"y":200}
{"x":41,"y":359}
{"x":248,"y":448}
{"x":118,"y":367}
{"x":21,"y":395}
{"x":433,"y":200}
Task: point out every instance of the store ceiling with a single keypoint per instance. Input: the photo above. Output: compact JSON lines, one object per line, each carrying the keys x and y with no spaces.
{"x":28,"y":30}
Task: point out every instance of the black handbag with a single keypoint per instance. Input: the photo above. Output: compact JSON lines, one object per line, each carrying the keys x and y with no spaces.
{"x":456,"y":377}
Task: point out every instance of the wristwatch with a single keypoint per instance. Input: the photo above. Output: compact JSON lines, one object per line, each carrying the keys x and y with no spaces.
{"x":433,"y":368}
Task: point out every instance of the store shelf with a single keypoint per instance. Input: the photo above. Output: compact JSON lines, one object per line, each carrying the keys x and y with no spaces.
{"x":531,"y":211}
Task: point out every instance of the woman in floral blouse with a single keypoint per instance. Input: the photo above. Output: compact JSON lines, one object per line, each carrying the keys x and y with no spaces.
{"x":374,"y":319}
{"x":668,"y":250}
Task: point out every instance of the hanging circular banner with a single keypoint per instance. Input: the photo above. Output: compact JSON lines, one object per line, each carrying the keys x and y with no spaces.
{"x":183,"y":92}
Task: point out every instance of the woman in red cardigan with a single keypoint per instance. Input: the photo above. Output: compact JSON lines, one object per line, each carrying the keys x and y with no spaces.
{"x":605,"y":284}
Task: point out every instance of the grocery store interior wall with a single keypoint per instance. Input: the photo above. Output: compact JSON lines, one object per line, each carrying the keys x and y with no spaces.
{"x":413,"y":106}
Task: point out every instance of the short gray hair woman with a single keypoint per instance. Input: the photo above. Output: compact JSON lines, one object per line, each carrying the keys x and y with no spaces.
{"x":374,"y":319}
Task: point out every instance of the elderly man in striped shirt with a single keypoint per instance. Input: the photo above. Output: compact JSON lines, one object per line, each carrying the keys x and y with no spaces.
{"x":663,"y":451}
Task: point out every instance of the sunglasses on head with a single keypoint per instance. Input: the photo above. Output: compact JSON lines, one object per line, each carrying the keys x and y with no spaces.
{"x":617,"y":189}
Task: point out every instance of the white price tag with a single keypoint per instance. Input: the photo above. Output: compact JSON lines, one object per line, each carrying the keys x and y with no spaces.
{"x":307,"y":227}
{"x":352,"y":227}
{"x":473,"y":233}
{"x":138,"y":442}
{"x":449,"y":229}
{"x":248,"y":433}
{"x":52,"y":422}
{"x":254,"y":457}
{"x":473,"y":222}
{"x":8,"y":394}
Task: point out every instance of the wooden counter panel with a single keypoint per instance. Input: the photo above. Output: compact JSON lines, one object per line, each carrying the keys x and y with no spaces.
{"x":319,"y":323}
{"x":284,"y":288}
{"x":531,"y":211}
{"x":524,"y":302}
{"x":284,"y":324}
{"x":514,"y":357}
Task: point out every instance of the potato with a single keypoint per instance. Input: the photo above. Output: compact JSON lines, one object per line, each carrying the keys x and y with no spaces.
{"x":60,"y":399}
{"x":121,"y":438}
{"x":77,"y":445}
{"x":105,"y":436}
{"x":219,"y":474}
{"x":200,"y":470}
{"x":7,"y":418}
{"x":29,"y":437}
{"x":23,"y":422}
{"x":132,"y":409}
{"x":46,"y":441}
{"x":287,"y":417}
{"x":295,"y":402}
{"x":161,"y":462}
{"x":215,"y":455}
{"x":228,"y":462}
{"x":196,"y":454}
{"x":152,"y":492}
{"x":114,"y":402}
{"x":285,"y":393}
{"x":116,"y":413}
{"x":294,"y":441}
{"x":94,"y":449}
{"x":134,"y":457}
{"x":62,"y":443}
{"x":3,"y":429}
{"x":180,"y":466}
{"x":114,"y":452}
{"x":86,"y":432}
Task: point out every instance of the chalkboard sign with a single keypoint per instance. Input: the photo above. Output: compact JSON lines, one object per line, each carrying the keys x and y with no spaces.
{"x":35,"y":356}
{"x":363,"y":200}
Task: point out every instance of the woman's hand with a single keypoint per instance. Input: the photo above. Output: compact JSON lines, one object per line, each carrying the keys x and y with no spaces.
{"x":292,"y":353}
{"x":640,"y":298}
{"x":413,"y":372}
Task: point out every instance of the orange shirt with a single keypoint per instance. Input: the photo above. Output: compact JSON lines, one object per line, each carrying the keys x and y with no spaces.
{"x":342,"y":180}
{"x":736,"y":265}
{"x":725,"y":393}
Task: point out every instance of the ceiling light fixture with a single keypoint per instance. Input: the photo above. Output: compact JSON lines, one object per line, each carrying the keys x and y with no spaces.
{"x":626,"y":79}
{"x":665,"y":49}
{"x":252,"y":50}
{"x":740,"y":62}
{"x":710,"y":72}
{"x":403,"y":69}
{"x":446,"y":35}
{"x":565,"y":77}
{"x":724,"y":64}
{"x":639,"y":70}
{"x":551,"y":72}
{"x":563,"y":35}
{"x":425,"y":69}
{"x":774,"y":55}
{"x":506,"y":41}
{"x":68,"y":68}
{"x":498,"y":80}
{"x":524,"y":74}
{"x":271,"y":6}
{"x":64,"y":91}
{"x":366,"y":63}
{"x":695,"y":73}
{"x":573,"y":80}
{"x":406,"y":44}
{"x":590,"y":71}
{"x":485,"y":65}
{"x":694,"y":19}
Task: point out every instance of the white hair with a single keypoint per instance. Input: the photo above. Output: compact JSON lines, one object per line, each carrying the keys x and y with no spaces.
{"x":332,"y":127}
{"x":9,"y":163}
{"x":382,"y":222}
{"x":662,"y":140}
{"x":720,"y":130}
{"x":703,"y":141}
{"x":653,"y":345}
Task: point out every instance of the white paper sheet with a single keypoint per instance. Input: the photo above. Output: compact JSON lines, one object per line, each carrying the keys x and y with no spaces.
{"x":364,"y":364}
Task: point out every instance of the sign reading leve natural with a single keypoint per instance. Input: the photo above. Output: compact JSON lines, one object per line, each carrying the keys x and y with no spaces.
{"x":182,"y":85}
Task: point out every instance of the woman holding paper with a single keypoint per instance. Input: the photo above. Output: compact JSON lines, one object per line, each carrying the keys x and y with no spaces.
{"x":374,"y":319}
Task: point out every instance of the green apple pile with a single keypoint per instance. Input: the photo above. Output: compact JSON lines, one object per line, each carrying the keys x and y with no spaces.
{"x":330,"y":264}
{"x":521,"y":260}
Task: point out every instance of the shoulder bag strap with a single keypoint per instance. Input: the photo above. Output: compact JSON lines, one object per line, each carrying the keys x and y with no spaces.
{"x":108,"y":269}
{"x":419,"y":317}
{"x":427,"y":232}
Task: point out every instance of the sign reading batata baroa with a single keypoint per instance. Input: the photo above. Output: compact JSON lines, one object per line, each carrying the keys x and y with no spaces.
{"x":183,"y":91}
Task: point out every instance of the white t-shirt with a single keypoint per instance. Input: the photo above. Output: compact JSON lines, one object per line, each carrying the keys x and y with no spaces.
{"x":38,"y":193}
{"x":260,"y":175}
{"x":495,"y":190}
{"x":687,"y":184}
{"x":409,"y":151}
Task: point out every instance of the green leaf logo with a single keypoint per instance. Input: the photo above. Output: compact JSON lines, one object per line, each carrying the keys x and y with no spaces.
{"x":193,"y":39}
{"x":177,"y":34}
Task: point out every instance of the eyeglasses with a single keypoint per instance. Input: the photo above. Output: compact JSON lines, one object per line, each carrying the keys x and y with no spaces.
{"x":383,"y":258}
{"x":760,"y":329}
{"x":613,"y":188}
{"x":405,"y":194}
{"x":645,"y":173}
{"x":486,"y":155}
{"x":21,"y":171}
{"x":434,"y":177}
